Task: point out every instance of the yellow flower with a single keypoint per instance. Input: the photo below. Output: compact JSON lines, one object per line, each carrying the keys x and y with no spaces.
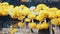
{"x":21,"y":17}
{"x":3,"y":7}
{"x":52,"y":15}
{"x":45,"y":12}
{"x":12,"y":30}
{"x":32,"y":25}
{"x":40,"y":17}
{"x":10,"y":7}
{"x":42,"y":7}
{"x":5,"y":4}
{"x":0,"y":4}
{"x":54,"y":22}
{"x":58,"y":20}
{"x":6,"y":12}
{"x":22,"y":6}
{"x":54,"y":9}
{"x":20,"y":24}
{"x":27,"y":20}
{"x":1,"y":11}
{"x":31,"y":16}
{"x":39,"y":27}
{"x":14,"y":15}
{"x":59,"y":23}
{"x":45,"y":25}
{"x":37,"y":10}
{"x":26,"y":11}
{"x":58,"y":13}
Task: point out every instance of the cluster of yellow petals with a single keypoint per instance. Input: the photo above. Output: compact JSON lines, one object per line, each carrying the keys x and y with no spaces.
{"x":42,"y":26}
{"x":20,"y":12}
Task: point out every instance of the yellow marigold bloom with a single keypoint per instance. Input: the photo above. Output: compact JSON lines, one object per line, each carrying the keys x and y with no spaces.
{"x":21,"y":17}
{"x":26,"y":11}
{"x":45,"y":25}
{"x":32,"y":25}
{"x":39,"y":26}
{"x":1,"y":4}
{"x":42,"y":6}
{"x":13,"y":30}
{"x":54,"y":9}
{"x":58,"y":13}
{"x":20,"y":24}
{"x":22,"y":6}
{"x":27,"y":20}
{"x":31,"y":16}
{"x":6,"y":12}
{"x":52,"y":15}
{"x":54,"y":22}
{"x":5,"y":4}
{"x":40,"y":17}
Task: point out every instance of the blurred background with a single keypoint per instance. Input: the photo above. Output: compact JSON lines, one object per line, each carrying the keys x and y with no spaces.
{"x":29,"y":3}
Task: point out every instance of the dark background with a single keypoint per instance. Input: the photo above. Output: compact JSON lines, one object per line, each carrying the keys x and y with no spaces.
{"x":50,"y":3}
